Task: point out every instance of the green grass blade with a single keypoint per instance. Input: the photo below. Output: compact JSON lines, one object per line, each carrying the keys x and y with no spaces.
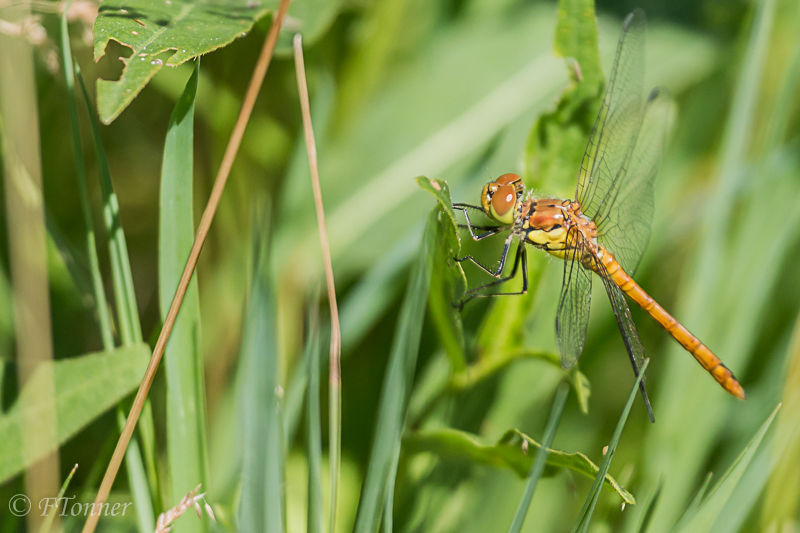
{"x":783,"y":489}
{"x":127,"y":315}
{"x":48,"y":522}
{"x":708,"y":512}
{"x":594,"y":494}
{"x":261,"y":509}
{"x":186,"y":432}
{"x":127,"y":311}
{"x":298,"y":382}
{"x":694,"y":505}
{"x":315,"y":510}
{"x":138,"y":482}
{"x":649,"y":509}
{"x":541,"y":457}
{"x":387,"y":525}
{"x":101,"y":304}
{"x":397,"y":382}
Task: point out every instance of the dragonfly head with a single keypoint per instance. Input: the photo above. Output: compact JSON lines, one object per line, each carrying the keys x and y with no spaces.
{"x":501,"y":197}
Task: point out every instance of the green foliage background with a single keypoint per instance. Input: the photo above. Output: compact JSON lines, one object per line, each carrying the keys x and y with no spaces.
{"x":441,"y":412}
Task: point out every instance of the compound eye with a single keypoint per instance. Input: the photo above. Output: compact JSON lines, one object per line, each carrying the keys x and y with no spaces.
{"x":508,"y":179}
{"x":504,"y":199}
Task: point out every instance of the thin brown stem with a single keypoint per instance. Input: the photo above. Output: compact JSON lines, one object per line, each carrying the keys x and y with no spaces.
{"x":335,"y":378}
{"x":202,"y":232}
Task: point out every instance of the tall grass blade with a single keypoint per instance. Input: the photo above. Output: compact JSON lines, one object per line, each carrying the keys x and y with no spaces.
{"x":712,"y":506}
{"x":314,"y":432}
{"x":261,"y":509}
{"x":100,"y":302}
{"x":541,"y":457}
{"x":128,"y":318}
{"x":397,"y":381}
{"x":127,"y":311}
{"x":186,"y":432}
{"x":582,"y":525}
{"x":783,"y":489}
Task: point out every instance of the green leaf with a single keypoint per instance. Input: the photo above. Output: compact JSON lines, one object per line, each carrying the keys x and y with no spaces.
{"x":397,"y":382}
{"x":712,"y":506}
{"x":85,"y":387}
{"x":508,"y":452}
{"x":164,"y":31}
{"x":537,"y":467}
{"x":448,"y":281}
{"x":186,"y":413}
{"x":558,"y":139}
{"x":262,"y":507}
{"x":577,"y":39}
{"x":585,"y":517}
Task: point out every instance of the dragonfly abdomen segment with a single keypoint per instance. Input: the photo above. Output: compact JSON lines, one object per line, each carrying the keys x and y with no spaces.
{"x":692,"y":344}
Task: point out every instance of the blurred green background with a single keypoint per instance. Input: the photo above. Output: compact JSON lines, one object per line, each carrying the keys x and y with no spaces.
{"x":451,"y":90}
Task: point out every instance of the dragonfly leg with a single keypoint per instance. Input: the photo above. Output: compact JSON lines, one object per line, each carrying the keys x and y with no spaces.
{"x":500,"y":267}
{"x":521,"y":258}
{"x":492,"y":230}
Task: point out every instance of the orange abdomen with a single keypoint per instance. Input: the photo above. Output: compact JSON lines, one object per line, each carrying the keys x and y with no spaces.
{"x":691,"y":343}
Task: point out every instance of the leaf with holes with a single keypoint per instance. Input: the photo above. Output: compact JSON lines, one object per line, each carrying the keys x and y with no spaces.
{"x":164,"y":31}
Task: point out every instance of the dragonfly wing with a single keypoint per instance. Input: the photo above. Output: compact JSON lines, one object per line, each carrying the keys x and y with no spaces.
{"x":575,"y":302}
{"x":633,"y":344}
{"x":623,"y":219}
{"x":613,"y":134}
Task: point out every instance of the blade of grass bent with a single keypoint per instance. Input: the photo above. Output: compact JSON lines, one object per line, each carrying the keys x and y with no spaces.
{"x":334,"y":373}
{"x":101,"y":304}
{"x":186,"y":435}
{"x":397,"y":383}
{"x":589,"y":505}
{"x":541,"y":458}
{"x":205,"y":224}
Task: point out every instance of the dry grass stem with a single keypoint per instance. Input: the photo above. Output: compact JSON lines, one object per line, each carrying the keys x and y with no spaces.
{"x":335,"y":347}
{"x":166,"y":519}
{"x":202,"y":232}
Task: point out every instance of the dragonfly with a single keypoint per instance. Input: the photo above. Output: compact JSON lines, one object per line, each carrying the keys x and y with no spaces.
{"x":606,"y":228}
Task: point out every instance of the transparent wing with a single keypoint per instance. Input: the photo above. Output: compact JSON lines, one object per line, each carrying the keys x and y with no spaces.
{"x":572,"y":317}
{"x":633,"y":344}
{"x":624,"y":214}
{"x":613,"y":134}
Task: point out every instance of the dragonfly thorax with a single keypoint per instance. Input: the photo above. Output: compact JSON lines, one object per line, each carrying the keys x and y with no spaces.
{"x":546,"y":224}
